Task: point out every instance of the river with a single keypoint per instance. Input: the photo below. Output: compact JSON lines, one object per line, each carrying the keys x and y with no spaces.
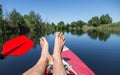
{"x":99,"y":51}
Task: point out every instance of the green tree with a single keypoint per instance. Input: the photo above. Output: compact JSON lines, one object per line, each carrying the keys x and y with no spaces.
{"x":27,"y":20}
{"x":80,"y":23}
{"x":105,"y":19}
{"x":1,"y":19}
{"x":94,"y":21}
{"x":53,"y":25}
{"x":61,"y":25}
{"x":16,"y":22}
{"x":34,"y":22}
{"x":73,"y":24}
{"x":67,"y":25}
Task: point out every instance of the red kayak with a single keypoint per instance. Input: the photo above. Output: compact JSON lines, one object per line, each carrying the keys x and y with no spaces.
{"x":73,"y":65}
{"x":77,"y":66}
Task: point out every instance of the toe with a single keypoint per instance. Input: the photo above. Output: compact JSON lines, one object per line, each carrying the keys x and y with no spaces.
{"x":57,"y":34}
{"x":41,"y":39}
{"x":63,"y":37}
{"x":61,"y":34}
{"x":44,"y":39}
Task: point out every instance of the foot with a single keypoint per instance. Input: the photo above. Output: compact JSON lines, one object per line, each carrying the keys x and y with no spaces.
{"x":45,"y":53}
{"x":59,"y":43}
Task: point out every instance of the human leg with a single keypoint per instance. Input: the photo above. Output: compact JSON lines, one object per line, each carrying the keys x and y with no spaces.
{"x":58,"y":67}
{"x":45,"y":59}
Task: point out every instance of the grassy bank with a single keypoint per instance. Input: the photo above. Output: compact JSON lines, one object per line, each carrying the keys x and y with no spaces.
{"x":113,"y":26}
{"x":110,"y":27}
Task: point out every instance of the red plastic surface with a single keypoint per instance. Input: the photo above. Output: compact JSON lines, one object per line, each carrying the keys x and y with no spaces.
{"x":76,"y":63}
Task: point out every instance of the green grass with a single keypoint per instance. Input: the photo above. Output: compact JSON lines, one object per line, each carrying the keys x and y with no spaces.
{"x":113,"y":25}
{"x":113,"y":28}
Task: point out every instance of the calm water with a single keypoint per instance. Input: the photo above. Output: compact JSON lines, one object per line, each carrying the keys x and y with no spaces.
{"x":101,"y":54}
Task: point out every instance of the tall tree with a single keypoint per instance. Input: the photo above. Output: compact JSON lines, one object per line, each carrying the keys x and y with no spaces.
{"x":105,"y":19}
{"x":34,"y":22}
{"x":94,"y":21}
{"x":1,"y":19}
{"x":80,"y":23}
{"x":53,"y":25}
{"x":73,"y":24}
{"x":16,"y":22}
{"x":61,"y":25}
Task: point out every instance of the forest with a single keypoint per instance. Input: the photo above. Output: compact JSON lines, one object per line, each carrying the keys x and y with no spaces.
{"x":14,"y":22}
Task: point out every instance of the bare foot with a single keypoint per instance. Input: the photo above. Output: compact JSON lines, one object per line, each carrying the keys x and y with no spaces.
{"x":45,"y":53}
{"x":59,"y":43}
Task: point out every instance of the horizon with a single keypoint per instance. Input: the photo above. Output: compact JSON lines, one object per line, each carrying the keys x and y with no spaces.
{"x":65,"y":10}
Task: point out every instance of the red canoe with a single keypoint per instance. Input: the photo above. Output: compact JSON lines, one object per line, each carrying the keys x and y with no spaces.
{"x":73,"y":65}
{"x":76,"y":63}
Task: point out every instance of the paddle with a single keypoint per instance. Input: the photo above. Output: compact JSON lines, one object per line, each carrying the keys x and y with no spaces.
{"x":16,"y":46}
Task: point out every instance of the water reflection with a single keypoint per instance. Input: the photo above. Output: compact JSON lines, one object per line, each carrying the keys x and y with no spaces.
{"x":102,"y":36}
{"x":93,"y":34}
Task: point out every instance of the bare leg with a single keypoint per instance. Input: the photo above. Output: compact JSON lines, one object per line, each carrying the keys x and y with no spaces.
{"x":58,"y":67}
{"x":45,"y":59}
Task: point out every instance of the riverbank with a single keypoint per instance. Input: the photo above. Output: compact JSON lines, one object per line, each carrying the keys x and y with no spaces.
{"x":113,"y":26}
{"x":105,"y":27}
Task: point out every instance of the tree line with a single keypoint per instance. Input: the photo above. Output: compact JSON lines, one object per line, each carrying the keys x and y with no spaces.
{"x":14,"y":22}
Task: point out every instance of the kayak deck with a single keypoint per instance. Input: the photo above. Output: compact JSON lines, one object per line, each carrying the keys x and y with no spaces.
{"x":76,"y":63}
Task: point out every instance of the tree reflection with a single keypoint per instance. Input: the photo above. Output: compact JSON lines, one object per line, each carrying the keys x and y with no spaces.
{"x":95,"y":34}
{"x":92,"y":34}
{"x":77,"y":32}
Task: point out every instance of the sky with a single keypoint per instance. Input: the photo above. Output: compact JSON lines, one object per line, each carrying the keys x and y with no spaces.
{"x":65,"y":10}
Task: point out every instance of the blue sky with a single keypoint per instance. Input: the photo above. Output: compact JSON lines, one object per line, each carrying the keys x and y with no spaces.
{"x":65,"y":10}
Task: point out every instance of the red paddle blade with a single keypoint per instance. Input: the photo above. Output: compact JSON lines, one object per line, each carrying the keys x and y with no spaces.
{"x":17,"y":46}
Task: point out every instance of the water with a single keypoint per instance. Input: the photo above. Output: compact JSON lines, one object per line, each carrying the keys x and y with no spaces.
{"x":100,"y":52}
